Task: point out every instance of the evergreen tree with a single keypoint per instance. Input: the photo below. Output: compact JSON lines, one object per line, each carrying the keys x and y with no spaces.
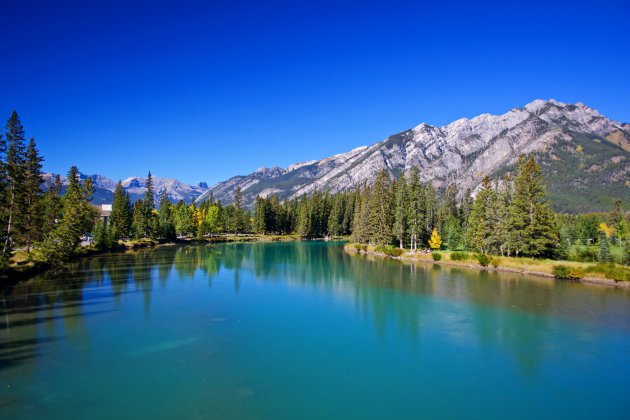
{"x":122,"y":213}
{"x":604,"y":249}
{"x":53,"y":207}
{"x":465,"y":208}
{"x":139,"y":224}
{"x":261,"y":216}
{"x":237,"y":221}
{"x":626,"y":253}
{"x":400,"y":211}
{"x":480,"y":222}
{"x":415,"y":209}
{"x":167,"y":219}
{"x":15,"y":172}
{"x":335,"y":220}
{"x":348,"y":212}
{"x":430,"y":210}
{"x":3,"y":190}
{"x":33,"y":211}
{"x":380,"y":211}
{"x":78,"y":218}
{"x":531,"y":223}
{"x":501,"y":230}
{"x":304,"y":218}
{"x":149,"y":196}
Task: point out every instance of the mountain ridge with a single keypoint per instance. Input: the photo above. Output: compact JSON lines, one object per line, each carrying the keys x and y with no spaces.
{"x":584,"y":155}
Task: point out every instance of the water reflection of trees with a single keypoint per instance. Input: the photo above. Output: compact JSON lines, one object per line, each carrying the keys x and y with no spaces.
{"x":507,"y":310}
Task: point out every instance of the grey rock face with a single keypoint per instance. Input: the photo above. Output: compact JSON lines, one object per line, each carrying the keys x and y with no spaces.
{"x":583,"y":155}
{"x":462,"y":152}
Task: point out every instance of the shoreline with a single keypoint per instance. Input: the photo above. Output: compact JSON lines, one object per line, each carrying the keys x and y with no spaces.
{"x":24,"y":272}
{"x":469,"y":265}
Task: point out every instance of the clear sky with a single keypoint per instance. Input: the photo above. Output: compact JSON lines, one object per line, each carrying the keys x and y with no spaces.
{"x":202,"y":91}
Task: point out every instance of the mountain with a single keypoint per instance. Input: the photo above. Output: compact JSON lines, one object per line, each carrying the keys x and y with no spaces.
{"x":134,"y":186}
{"x":584,"y":155}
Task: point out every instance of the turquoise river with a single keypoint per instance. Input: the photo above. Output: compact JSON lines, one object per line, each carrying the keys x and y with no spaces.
{"x":301,"y":330}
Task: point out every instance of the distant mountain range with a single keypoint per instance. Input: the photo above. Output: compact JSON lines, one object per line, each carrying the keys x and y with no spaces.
{"x":134,"y":186}
{"x":584,"y":155}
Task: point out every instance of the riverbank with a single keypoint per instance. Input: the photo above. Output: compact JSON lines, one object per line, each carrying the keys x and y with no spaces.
{"x":529,"y":266}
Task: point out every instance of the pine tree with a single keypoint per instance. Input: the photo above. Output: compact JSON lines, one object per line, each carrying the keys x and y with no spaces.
{"x":53,"y":207}
{"x":149,"y":196}
{"x":415,"y":209}
{"x":122,"y":213}
{"x":380,"y":211}
{"x":502,"y":212}
{"x":480,"y":221}
{"x":139,"y":224}
{"x":78,"y":218}
{"x":335,"y":220}
{"x":626,"y":253}
{"x":237,"y":221}
{"x":167,"y":219}
{"x":435,"y":242}
{"x":33,"y":210}
{"x":152,"y":220}
{"x":400,"y":211}
{"x":532,"y":223}
{"x":430,"y":210}
{"x":304,"y":218}
{"x":3,"y":189}
{"x":604,"y":249}
{"x":15,"y":171}
{"x":261,"y":217}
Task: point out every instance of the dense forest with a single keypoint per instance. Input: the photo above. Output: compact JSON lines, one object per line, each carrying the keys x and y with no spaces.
{"x":508,"y":216}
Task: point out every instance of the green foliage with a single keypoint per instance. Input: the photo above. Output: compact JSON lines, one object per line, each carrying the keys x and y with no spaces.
{"x":459,"y":256}
{"x":388,"y":250}
{"x":482,"y":259}
{"x":78,"y":219}
{"x":436,"y":256}
{"x":531,"y":222}
{"x":495,"y":262}
{"x":121,"y":217}
{"x":626,"y":253}
{"x":103,"y":236}
{"x":604,"y":249}
{"x":380,"y":227}
{"x":564,"y":272}
{"x":611,"y":271}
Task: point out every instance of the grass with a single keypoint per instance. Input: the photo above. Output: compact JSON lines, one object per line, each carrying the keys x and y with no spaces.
{"x":610,"y":271}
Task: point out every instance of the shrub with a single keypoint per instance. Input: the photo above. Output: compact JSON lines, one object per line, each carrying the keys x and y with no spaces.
{"x":564,"y":272}
{"x":495,"y":262}
{"x":483,"y":259}
{"x":389,"y":250}
{"x":436,"y":256}
{"x":459,"y":256}
{"x":611,"y":271}
{"x":357,"y":246}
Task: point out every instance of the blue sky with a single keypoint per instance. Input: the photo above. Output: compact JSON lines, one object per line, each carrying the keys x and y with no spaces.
{"x":202,"y":91}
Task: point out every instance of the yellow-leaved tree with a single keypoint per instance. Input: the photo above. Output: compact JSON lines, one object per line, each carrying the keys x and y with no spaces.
{"x":608,"y":230}
{"x":435,"y":242}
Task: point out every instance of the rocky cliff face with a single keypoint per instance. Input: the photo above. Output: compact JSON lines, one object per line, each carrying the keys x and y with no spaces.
{"x":466,"y":150}
{"x":584,"y":155}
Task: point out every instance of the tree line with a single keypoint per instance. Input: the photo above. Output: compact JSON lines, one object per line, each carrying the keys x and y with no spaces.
{"x":31,"y":218}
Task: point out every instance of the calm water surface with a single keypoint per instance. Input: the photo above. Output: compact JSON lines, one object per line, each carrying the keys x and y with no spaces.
{"x":301,"y":330}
